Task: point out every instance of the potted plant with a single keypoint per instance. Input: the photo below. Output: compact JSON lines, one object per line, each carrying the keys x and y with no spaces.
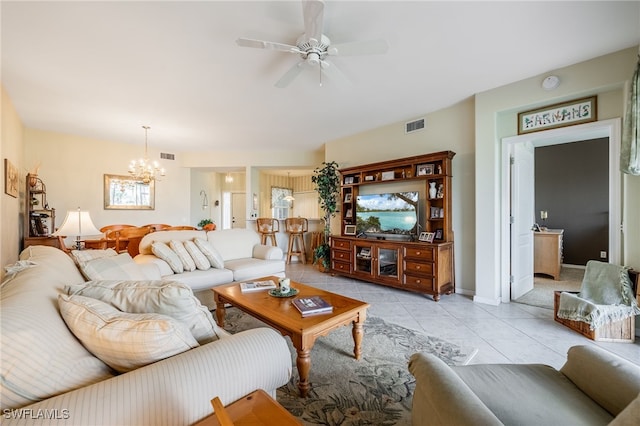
{"x":327,"y":182}
{"x":207,"y":225}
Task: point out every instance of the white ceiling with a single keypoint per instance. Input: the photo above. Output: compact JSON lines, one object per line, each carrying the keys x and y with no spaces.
{"x":104,"y":69}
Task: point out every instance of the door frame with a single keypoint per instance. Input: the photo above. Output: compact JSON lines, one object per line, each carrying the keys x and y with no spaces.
{"x":598,"y":129}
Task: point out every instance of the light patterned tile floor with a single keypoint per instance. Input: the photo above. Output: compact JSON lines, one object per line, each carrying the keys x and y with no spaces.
{"x":508,"y":333}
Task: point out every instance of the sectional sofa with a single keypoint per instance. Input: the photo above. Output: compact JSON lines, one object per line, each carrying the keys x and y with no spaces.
{"x":49,"y":377}
{"x":240,"y":257}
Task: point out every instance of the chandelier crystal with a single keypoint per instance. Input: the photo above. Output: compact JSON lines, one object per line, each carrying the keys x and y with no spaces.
{"x":143,"y":169}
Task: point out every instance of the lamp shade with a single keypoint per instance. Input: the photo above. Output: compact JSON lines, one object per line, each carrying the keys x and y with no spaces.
{"x":77,"y":224}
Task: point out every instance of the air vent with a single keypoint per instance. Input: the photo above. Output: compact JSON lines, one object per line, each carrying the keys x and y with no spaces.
{"x":414,"y":126}
{"x":166,"y":156}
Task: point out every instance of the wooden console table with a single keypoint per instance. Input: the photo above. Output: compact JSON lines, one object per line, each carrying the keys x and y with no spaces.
{"x":547,"y":257}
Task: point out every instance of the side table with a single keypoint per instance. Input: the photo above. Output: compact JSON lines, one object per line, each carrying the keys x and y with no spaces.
{"x":255,"y":409}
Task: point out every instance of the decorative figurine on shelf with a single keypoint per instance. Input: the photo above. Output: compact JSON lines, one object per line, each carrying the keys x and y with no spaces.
{"x":440,"y":192}
{"x":438,"y":169}
{"x":433,"y":192}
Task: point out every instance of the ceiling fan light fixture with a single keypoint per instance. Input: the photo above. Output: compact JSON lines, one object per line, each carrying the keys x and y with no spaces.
{"x":313,"y":46}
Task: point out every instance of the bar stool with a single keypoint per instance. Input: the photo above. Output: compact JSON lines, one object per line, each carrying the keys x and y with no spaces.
{"x":267,"y":227}
{"x":296,"y":227}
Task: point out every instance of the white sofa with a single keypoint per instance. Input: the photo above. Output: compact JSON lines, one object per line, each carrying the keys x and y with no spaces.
{"x":48,"y":377}
{"x":244,"y":259}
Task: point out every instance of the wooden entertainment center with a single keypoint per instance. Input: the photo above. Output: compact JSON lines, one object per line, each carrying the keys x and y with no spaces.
{"x":416,"y":261}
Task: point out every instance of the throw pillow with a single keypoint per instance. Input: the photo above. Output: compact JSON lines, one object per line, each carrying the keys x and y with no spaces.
{"x":198,"y":257}
{"x":162,"y":251}
{"x":122,"y":340}
{"x":169,"y":298}
{"x":119,"y":267}
{"x":212,"y":254}
{"x":185,"y":258}
{"x":80,"y":256}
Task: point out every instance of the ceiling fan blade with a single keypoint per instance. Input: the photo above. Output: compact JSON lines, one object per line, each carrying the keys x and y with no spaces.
{"x":336,"y":76}
{"x":290,"y":75}
{"x":372,"y":47}
{"x":313,"y":12}
{"x":260,"y":44}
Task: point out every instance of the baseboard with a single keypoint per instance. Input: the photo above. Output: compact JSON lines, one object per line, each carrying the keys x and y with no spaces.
{"x":486,"y":301}
{"x":465,"y":292}
{"x":568,"y":265}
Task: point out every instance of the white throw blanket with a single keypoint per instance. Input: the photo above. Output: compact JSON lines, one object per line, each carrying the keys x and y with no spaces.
{"x":606,"y":296}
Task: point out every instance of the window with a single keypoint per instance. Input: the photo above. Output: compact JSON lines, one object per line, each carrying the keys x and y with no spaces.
{"x":281,"y":202}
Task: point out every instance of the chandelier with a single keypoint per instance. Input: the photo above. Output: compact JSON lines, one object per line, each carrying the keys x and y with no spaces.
{"x":143,"y":169}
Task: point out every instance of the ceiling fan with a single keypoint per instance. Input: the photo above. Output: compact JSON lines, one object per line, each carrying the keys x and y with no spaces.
{"x":313,"y":47}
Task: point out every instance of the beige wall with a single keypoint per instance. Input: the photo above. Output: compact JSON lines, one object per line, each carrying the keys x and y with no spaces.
{"x":496,"y":118}
{"x":11,"y":149}
{"x":448,"y":129}
{"x":73,"y":168}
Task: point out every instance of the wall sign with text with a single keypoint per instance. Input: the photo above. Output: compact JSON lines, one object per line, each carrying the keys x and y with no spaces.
{"x":559,"y":115}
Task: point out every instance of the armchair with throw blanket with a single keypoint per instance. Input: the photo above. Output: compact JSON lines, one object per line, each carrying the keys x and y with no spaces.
{"x":606,"y":296}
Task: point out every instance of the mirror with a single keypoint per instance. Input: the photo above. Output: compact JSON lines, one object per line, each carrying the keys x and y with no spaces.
{"x":127,"y":193}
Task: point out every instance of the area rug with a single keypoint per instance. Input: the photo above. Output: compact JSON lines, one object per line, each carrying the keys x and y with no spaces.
{"x":376,"y":390}
{"x":542,"y":294}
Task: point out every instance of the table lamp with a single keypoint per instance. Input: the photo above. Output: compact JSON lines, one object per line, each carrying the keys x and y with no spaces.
{"x":77,"y":224}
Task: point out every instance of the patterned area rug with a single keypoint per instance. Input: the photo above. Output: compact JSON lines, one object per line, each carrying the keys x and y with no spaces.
{"x":375,"y":390}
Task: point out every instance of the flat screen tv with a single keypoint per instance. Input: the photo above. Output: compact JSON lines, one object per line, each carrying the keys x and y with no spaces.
{"x":389,"y":214}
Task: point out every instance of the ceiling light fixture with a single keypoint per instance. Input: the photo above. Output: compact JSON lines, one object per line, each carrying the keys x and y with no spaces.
{"x":551,"y":82}
{"x":228,"y":178}
{"x":143,"y":169}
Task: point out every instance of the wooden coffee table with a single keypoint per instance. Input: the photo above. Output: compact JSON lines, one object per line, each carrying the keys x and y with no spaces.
{"x":280,"y":314}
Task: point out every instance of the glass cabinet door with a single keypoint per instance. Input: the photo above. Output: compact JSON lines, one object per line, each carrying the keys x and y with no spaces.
{"x":364,"y":258}
{"x":388,"y":262}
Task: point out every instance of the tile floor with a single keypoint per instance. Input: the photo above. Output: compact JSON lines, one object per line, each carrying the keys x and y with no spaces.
{"x":508,"y":333}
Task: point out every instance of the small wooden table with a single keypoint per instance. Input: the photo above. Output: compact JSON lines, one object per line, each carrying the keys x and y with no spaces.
{"x":547,"y":256}
{"x":280,"y":314}
{"x":255,"y":409}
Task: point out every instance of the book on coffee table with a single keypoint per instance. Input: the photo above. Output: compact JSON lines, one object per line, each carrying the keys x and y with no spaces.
{"x":312,"y":305}
{"x":250,"y":286}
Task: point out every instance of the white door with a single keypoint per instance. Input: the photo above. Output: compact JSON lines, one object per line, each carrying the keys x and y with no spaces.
{"x":238,"y":210}
{"x":523,"y":217}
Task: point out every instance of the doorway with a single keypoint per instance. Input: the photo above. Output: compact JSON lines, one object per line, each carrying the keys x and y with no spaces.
{"x":238,"y":210}
{"x":511,"y":258}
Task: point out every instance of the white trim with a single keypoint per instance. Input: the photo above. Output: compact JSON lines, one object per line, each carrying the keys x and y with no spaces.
{"x":597,"y":129}
{"x":486,"y":300}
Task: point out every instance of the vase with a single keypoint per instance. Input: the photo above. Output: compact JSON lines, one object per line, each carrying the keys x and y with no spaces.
{"x":432,"y":190}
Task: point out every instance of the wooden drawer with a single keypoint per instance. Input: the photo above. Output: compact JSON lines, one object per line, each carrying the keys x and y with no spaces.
{"x":340,"y":266}
{"x":341,"y":255}
{"x":340,"y":244}
{"x":423,"y":253}
{"x":419,"y":283}
{"x":419,"y":267}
